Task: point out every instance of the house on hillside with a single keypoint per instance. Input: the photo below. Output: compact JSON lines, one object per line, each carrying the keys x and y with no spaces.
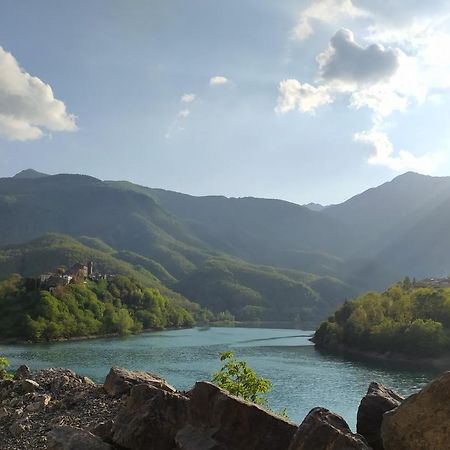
{"x":433,"y":283}
{"x":76,"y":274}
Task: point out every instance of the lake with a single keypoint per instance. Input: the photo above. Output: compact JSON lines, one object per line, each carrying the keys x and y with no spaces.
{"x":302,"y":378}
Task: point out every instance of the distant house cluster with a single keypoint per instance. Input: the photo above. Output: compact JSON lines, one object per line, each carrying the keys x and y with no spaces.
{"x":76,"y":274}
{"x":433,"y":283}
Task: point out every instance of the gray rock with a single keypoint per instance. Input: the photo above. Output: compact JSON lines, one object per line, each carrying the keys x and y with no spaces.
{"x":206,"y":418}
{"x":87,"y":380}
{"x":22,"y":373}
{"x":104,"y":431}
{"x":119,"y":381}
{"x":19,"y":427}
{"x":422,"y":421}
{"x":374,"y":404}
{"x":29,"y":386}
{"x":40,"y":403}
{"x":3,"y":413}
{"x":150,"y":419}
{"x":234,"y":423}
{"x":324,"y":430}
{"x":68,"y":438}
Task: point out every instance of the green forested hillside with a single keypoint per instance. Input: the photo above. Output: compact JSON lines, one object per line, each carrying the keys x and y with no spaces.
{"x":253,"y":257}
{"x":221,"y":284}
{"x":55,"y":250}
{"x":262,"y":231}
{"x":120,"y":306}
{"x":125,"y":229}
{"x":404,"y":319}
{"x":252,"y":292}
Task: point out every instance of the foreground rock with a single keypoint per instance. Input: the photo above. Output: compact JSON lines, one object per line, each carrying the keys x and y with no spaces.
{"x":205,"y":418}
{"x":58,"y":410}
{"x":120,"y":381}
{"x":68,"y":438}
{"x":51,"y":398}
{"x":422,"y":421}
{"x":374,"y":404}
{"x":324,"y":430}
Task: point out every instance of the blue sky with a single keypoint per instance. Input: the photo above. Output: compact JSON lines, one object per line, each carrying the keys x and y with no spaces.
{"x":299,"y":100}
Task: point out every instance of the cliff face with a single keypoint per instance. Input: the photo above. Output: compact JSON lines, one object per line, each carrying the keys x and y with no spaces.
{"x":58,"y":410}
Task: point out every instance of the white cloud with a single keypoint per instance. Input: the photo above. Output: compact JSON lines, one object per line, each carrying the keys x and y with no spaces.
{"x":187,"y":98}
{"x":384,"y":80}
{"x":383,"y":154}
{"x":347,"y":61}
{"x":218,"y":80}
{"x":328,"y":11}
{"x":183,"y":113}
{"x":27,"y":104}
{"x":304,"y":97}
{"x":394,"y":18}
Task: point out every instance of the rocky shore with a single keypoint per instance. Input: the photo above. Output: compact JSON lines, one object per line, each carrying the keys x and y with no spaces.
{"x":436,"y":364}
{"x":57,"y":409}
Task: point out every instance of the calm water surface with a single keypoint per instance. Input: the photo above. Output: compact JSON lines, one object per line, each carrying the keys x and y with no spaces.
{"x":302,"y":377}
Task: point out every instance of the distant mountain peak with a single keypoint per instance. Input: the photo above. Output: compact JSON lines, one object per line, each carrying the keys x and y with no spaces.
{"x":315,"y":206}
{"x":30,"y":174}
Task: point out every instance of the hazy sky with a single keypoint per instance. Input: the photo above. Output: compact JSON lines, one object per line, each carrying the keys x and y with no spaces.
{"x":300,"y":100}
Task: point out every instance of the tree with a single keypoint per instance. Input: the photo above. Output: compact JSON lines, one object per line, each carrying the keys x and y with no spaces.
{"x":241,"y":380}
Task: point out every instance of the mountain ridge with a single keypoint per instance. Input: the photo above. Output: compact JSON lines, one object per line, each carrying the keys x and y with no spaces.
{"x":367,"y":242}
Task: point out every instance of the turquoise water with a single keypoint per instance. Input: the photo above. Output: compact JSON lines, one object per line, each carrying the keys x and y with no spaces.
{"x":302,"y":377}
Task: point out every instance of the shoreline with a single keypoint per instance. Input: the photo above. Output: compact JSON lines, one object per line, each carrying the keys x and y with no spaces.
{"x":13,"y":341}
{"x":439,"y":363}
{"x":256,"y":324}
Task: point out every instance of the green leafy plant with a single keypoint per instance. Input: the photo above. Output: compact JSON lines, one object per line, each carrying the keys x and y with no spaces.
{"x":241,"y":380}
{"x":4,"y":363}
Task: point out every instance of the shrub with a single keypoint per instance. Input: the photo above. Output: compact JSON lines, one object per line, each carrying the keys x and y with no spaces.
{"x":241,"y":380}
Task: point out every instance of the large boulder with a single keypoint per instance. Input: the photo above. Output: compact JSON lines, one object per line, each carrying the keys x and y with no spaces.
{"x":422,"y":421}
{"x":150,"y":419}
{"x":324,"y":430}
{"x":374,"y":404}
{"x":120,"y":381}
{"x":69,"y":438}
{"x":206,"y":418}
{"x":222,"y":421}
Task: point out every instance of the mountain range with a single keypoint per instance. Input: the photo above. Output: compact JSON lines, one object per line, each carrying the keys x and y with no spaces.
{"x":257,"y":258}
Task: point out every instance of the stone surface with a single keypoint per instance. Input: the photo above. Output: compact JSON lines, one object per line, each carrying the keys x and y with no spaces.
{"x":374,"y":404}
{"x":150,"y":419}
{"x":18,"y":427}
{"x":324,"y":430}
{"x":3,"y":413}
{"x":29,"y":386}
{"x":69,"y":438}
{"x":38,"y":412}
{"x":119,"y":381}
{"x":22,"y":373}
{"x":422,"y":421}
{"x":206,"y":418}
{"x":234,"y":423}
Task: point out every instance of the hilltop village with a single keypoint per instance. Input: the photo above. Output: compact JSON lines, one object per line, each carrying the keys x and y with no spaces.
{"x":78,"y":273}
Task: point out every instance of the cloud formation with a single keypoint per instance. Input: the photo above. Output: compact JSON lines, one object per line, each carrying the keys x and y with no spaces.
{"x":383,"y":154}
{"x":304,"y":97}
{"x":347,"y":61}
{"x":187,"y":98}
{"x":218,"y":80}
{"x":329,"y":11}
{"x":27,"y":104}
{"x":383,"y":80}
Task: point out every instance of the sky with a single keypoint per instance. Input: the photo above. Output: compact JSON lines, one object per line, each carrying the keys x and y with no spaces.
{"x":307,"y":101}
